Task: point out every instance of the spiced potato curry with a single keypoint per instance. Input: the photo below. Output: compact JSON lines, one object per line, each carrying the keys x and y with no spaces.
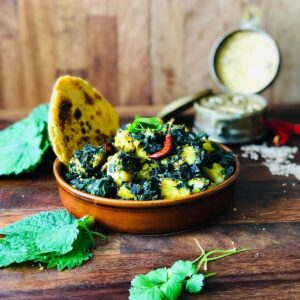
{"x":148,"y":160}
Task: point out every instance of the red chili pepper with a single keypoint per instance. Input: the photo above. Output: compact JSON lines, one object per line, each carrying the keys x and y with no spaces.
{"x":167,"y":147}
{"x":288,"y":127}
{"x":282,"y":130}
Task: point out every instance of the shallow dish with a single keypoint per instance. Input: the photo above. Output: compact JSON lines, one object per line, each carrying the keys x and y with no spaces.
{"x":153,"y":216}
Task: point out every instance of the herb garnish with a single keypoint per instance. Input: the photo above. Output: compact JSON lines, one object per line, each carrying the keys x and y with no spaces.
{"x":168,"y":283}
{"x":55,"y":238}
{"x":142,"y":123}
{"x":23,"y":144}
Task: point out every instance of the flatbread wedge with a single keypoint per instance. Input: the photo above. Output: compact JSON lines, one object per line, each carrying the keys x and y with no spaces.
{"x":78,"y":115}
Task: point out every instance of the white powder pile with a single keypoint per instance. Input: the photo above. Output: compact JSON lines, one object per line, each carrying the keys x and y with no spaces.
{"x":277,"y":159}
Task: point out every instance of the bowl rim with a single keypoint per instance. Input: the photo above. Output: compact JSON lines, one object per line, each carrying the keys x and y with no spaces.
{"x":92,"y":199}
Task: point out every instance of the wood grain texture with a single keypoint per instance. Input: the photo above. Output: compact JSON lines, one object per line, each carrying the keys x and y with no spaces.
{"x":135,"y":51}
{"x":37,"y":50}
{"x":261,"y":216}
{"x":103,"y":56}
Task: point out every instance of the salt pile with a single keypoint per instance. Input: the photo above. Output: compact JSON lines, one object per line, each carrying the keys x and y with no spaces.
{"x":277,"y":159}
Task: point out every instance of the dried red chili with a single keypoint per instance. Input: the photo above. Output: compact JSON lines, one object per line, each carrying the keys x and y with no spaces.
{"x":167,"y":146}
{"x":282,"y":130}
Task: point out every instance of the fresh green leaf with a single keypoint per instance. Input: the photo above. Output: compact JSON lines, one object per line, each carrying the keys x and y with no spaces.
{"x":52,"y":231}
{"x":11,"y":254}
{"x":20,"y":147}
{"x":183,"y":269}
{"x":142,"y":123}
{"x":52,"y":237}
{"x":195,"y":283}
{"x":142,"y":288}
{"x":158,"y":276}
{"x":170,"y":281}
{"x":80,"y":253}
{"x":172,"y":288}
{"x":23,"y":144}
{"x":40,"y":116}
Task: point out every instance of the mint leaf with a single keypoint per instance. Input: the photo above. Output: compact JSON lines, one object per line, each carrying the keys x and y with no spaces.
{"x":40,"y":116}
{"x":171,"y":288}
{"x":80,"y":253}
{"x":23,"y":144}
{"x":20,"y":147}
{"x":52,"y":231}
{"x":142,"y":288}
{"x":52,"y":237}
{"x":195,"y":284}
{"x":183,"y":269}
{"x":16,"y":249}
{"x":9,"y":255}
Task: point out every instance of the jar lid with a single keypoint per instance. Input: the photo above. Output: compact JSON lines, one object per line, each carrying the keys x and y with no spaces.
{"x":244,"y":61}
{"x":181,"y":104}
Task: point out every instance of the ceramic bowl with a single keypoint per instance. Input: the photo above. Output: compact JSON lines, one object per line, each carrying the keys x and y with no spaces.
{"x":153,"y":216}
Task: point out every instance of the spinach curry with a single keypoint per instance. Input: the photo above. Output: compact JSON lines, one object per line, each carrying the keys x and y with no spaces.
{"x":123,"y":169}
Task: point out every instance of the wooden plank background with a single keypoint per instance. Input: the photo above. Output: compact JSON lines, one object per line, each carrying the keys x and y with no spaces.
{"x":136,"y":52}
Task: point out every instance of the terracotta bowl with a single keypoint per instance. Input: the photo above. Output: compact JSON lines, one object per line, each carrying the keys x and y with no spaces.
{"x":153,"y":216}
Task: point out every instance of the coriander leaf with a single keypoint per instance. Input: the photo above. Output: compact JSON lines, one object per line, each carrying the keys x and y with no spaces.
{"x":51,"y":231}
{"x":142,"y":288}
{"x":195,"y":283}
{"x":158,"y":276}
{"x":141,"y":123}
{"x":172,"y":288}
{"x":80,"y":253}
{"x":183,"y":269}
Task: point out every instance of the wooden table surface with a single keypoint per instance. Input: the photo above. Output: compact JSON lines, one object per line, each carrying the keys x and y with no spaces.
{"x":264,"y":215}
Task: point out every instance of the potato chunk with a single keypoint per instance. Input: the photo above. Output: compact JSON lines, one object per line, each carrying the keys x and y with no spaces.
{"x":169,"y":189}
{"x":115,"y":170}
{"x":124,"y":193}
{"x":188,"y":154}
{"x":198,"y":184}
{"x":123,"y":141}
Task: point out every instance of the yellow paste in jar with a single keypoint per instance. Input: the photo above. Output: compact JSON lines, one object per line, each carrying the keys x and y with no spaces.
{"x":247,"y":61}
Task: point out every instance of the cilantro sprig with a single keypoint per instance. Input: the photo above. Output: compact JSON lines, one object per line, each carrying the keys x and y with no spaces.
{"x":23,"y":144}
{"x":168,"y":283}
{"x":142,"y":123}
{"x":54,"y":238}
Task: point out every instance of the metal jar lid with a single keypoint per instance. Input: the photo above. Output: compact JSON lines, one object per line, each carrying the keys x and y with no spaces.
{"x":245,"y":60}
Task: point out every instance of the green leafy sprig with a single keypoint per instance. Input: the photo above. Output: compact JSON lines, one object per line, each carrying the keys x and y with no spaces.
{"x":54,"y":238}
{"x":142,"y":123}
{"x":23,"y":144}
{"x":168,"y":283}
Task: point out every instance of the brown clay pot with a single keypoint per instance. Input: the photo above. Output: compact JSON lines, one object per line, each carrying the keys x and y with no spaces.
{"x":152,"y":216}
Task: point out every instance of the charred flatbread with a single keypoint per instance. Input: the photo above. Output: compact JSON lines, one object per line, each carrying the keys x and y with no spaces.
{"x":78,"y":115}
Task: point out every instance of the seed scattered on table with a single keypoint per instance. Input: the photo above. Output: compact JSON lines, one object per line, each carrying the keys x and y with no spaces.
{"x":277,"y":159}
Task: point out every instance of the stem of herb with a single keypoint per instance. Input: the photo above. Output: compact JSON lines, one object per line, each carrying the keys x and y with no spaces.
{"x":205,"y":258}
{"x":230,"y":252}
{"x":99,"y":235}
{"x":211,"y":274}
